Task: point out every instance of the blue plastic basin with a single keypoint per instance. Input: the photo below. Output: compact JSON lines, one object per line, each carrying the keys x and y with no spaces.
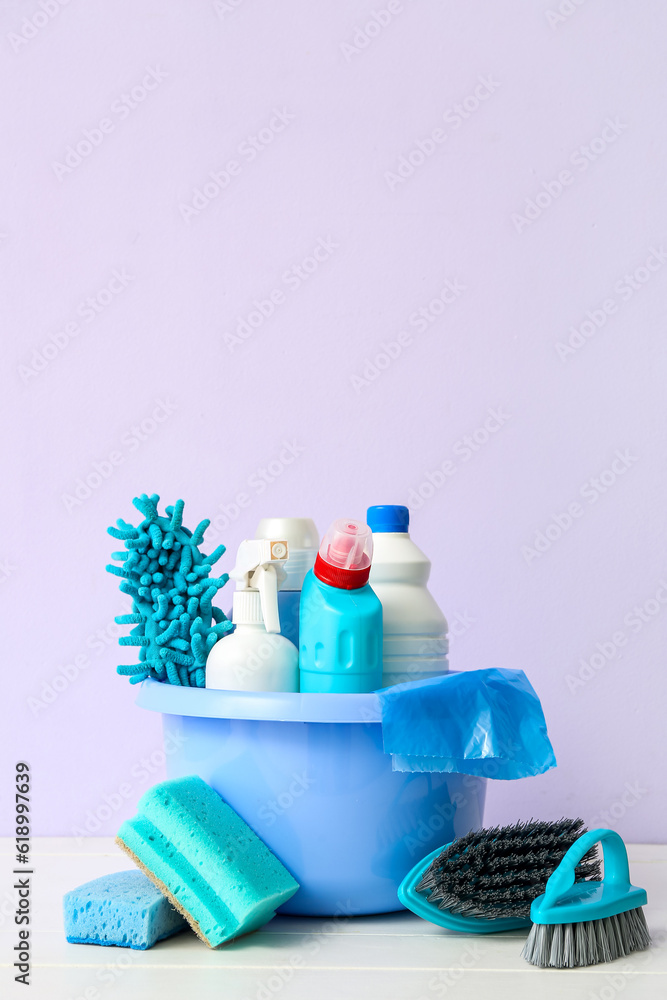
{"x":308,"y":773}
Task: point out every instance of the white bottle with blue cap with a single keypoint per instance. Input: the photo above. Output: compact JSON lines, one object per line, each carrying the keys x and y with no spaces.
{"x":415,"y":644}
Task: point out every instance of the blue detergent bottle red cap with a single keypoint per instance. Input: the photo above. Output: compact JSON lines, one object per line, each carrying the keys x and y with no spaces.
{"x":344,"y":559}
{"x":388,"y":517}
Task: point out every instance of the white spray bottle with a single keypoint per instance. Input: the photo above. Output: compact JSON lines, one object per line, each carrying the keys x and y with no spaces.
{"x":255,"y":657}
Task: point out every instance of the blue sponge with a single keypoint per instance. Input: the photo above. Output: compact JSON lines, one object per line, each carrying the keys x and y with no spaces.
{"x":124,"y":909}
{"x":206,"y":860}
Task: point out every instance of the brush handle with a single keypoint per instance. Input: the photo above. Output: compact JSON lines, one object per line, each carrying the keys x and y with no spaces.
{"x":616,"y":868}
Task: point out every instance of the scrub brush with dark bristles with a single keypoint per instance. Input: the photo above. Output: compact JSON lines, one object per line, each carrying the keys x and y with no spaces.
{"x":487,"y":880}
{"x":577,"y":924}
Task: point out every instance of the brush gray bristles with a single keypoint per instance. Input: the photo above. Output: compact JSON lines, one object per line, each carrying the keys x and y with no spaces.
{"x":570,"y":946}
{"x":498,"y":872}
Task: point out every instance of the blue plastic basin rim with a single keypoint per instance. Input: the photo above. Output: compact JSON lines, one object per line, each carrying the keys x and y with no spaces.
{"x":264,"y":706}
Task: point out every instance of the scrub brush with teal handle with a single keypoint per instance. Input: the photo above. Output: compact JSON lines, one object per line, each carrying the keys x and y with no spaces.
{"x":582,"y":923}
{"x":486,"y":880}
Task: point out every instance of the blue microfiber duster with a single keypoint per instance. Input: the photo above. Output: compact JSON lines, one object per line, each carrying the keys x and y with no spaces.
{"x":166,"y":576}
{"x":123,"y":909}
{"x":206,"y":860}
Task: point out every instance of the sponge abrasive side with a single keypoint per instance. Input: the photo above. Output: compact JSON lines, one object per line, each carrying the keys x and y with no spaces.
{"x":206,"y":860}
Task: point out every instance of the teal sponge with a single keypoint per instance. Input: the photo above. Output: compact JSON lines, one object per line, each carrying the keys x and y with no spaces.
{"x":124,"y":909}
{"x":205,"y":859}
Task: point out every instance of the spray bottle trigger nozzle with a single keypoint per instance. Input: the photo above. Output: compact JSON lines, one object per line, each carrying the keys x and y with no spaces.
{"x":265,"y":580}
{"x":260,"y":566}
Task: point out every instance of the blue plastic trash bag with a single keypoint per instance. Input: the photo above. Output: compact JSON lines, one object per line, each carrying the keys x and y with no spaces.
{"x":483,"y":722}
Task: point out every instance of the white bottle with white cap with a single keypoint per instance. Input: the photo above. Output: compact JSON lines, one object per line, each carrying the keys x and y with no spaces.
{"x":303,"y":542}
{"x":255,"y":657}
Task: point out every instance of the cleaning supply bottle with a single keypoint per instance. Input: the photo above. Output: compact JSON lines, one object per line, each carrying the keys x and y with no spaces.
{"x":415,"y":644}
{"x":340,"y":618}
{"x":255,"y":657}
{"x":303,"y":542}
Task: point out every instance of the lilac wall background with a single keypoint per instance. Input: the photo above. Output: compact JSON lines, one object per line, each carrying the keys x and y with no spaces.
{"x":157,"y":346}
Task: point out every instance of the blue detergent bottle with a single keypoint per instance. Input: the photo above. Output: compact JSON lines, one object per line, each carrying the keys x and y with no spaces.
{"x":302,"y":538}
{"x":340,"y":617}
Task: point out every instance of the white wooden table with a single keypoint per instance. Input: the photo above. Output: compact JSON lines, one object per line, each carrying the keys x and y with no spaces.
{"x":293,"y":958}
